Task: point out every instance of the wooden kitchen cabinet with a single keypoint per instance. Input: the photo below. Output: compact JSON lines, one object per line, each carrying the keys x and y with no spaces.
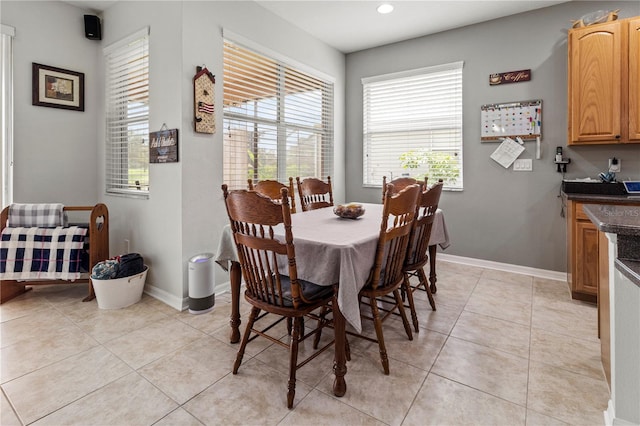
{"x":583,"y":257}
{"x":603,"y":83}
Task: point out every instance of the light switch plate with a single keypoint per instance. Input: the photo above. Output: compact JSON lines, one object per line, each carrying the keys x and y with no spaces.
{"x":523,"y":165}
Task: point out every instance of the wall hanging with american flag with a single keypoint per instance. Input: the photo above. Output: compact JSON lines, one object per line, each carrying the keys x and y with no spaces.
{"x":204,"y":105}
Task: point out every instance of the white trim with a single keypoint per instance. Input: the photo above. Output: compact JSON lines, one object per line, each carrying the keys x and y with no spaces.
{"x":517,"y":269}
{"x":7,"y":30}
{"x":250,"y":44}
{"x":144,"y":32}
{"x":411,"y":73}
{"x":163,"y":296}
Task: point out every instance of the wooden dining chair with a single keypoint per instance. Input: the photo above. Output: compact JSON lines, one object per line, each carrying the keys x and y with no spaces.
{"x":271,"y":188}
{"x":400,"y":183}
{"x":253,"y":218}
{"x":314,"y":193}
{"x":387,"y":276}
{"x":418,"y":249}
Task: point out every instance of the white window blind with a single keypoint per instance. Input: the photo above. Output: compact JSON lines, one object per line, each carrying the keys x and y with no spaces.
{"x":127,"y":127}
{"x":278,"y":120}
{"x":413,"y":125}
{"x":6,"y":116}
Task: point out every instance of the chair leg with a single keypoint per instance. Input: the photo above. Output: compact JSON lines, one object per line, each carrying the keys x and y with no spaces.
{"x":252,"y":319}
{"x":378,"y":326}
{"x":321,"y":320}
{"x":403,"y":314}
{"x":406,"y":288}
{"x":289,"y":325}
{"x":423,"y":279}
{"x":293,"y":360}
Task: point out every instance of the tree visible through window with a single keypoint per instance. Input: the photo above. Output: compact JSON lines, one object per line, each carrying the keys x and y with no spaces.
{"x":278,"y":120}
{"x":413,"y":125}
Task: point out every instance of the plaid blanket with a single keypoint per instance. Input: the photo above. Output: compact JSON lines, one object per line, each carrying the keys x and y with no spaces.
{"x":40,"y":215}
{"x":41,"y":253}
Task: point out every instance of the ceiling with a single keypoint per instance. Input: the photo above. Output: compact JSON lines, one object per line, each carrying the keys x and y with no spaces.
{"x":350,"y":26}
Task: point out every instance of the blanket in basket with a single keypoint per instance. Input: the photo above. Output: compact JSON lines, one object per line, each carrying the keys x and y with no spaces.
{"x":41,"y":253}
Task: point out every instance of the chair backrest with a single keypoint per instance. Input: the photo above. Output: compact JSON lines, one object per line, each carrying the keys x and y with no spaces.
{"x":417,"y":252}
{"x":314,"y":193}
{"x":271,"y":188}
{"x":398,"y":215}
{"x":253,"y":217}
{"x":400,"y":183}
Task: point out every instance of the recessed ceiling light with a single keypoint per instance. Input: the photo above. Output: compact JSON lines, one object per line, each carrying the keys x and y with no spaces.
{"x":385,"y":8}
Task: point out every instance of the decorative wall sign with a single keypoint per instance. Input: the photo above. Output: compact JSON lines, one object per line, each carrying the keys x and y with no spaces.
{"x":163,"y":146}
{"x":513,"y":119}
{"x":57,"y":88}
{"x":509,"y":77}
{"x":203,"y":97}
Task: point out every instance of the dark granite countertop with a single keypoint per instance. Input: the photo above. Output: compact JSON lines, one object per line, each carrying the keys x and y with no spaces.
{"x":617,"y":219}
{"x":625,"y":222}
{"x":600,"y":198}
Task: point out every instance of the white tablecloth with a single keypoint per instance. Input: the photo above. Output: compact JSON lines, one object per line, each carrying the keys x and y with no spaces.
{"x":333,"y":250}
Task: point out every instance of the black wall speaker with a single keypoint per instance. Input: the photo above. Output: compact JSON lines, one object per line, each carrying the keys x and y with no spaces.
{"x":92,"y":29}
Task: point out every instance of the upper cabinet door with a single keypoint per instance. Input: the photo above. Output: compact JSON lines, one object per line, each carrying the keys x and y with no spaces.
{"x":595,"y":85}
{"x":634,"y":79}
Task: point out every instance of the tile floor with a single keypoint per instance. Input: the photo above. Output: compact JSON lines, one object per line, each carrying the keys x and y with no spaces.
{"x":502,"y":349}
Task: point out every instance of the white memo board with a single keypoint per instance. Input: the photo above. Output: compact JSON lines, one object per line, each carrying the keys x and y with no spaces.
{"x":523,"y":119}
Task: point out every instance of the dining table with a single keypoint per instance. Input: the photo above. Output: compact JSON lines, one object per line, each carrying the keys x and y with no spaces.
{"x":329,"y":250}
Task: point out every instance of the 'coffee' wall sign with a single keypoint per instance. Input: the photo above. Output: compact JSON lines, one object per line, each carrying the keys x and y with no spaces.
{"x":509,"y":77}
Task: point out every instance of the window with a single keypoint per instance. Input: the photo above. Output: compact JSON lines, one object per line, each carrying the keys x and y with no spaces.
{"x":127,"y":128}
{"x":413,"y":125}
{"x":6,"y":117}
{"x":278,"y":120}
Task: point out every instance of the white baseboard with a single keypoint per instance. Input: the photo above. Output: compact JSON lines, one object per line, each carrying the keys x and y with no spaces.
{"x":177,"y":303}
{"x":517,"y":269}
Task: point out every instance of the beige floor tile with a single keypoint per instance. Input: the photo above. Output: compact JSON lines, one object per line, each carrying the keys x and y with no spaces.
{"x":277,"y":357}
{"x":498,"y":373}
{"x":551,"y":289}
{"x":421,"y":352}
{"x":453,"y":290}
{"x":568,"y":396}
{"x":444,"y":402}
{"x":441,"y":320}
{"x":130,"y":400}
{"x":22,"y":306}
{"x":42,"y":349}
{"x":180,"y":417}
{"x":38,"y":324}
{"x":152,"y":342}
{"x":578,"y":320}
{"x":370,"y":390}
{"x":256,"y":395}
{"x":319,"y":408}
{"x":499,"y":334}
{"x":576,"y":355}
{"x":43,"y":391}
{"x":519,"y":291}
{"x":108,"y":324}
{"x":8,"y":417}
{"x":537,"y":419}
{"x":191,"y":369}
{"x":509,"y":310}
{"x":507,"y":277}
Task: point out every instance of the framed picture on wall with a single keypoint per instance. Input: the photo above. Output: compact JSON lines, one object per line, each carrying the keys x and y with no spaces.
{"x":57,"y":87}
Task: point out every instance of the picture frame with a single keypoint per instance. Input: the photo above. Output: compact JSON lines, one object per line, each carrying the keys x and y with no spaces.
{"x":57,"y":88}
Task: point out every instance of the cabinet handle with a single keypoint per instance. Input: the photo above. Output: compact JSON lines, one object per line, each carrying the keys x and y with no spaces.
{"x":617,"y":136}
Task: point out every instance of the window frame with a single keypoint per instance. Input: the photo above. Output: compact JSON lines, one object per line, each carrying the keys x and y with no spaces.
{"x":6,"y":81}
{"x":389,"y":118}
{"x":129,"y":117}
{"x":273,"y":126}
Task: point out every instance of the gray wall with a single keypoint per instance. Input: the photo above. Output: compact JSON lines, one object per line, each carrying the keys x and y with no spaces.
{"x":55,"y":150}
{"x":502,"y":215}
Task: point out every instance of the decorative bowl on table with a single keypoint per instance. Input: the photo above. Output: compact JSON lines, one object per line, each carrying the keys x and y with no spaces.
{"x":349,"y":211}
